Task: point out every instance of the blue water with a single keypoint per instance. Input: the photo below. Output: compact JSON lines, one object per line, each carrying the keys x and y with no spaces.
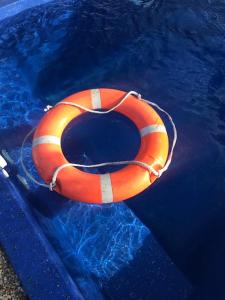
{"x":171,"y":52}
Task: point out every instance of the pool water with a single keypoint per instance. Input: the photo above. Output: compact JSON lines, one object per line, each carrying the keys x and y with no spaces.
{"x":172,"y":52}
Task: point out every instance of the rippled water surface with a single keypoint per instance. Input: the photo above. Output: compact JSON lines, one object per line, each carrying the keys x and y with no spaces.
{"x":171,"y":52}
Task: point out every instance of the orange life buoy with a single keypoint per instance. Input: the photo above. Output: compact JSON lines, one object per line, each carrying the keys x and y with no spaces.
{"x":100,"y":188}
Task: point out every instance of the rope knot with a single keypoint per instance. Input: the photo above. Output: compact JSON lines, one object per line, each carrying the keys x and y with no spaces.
{"x":160,"y":172}
{"x":52,"y":185}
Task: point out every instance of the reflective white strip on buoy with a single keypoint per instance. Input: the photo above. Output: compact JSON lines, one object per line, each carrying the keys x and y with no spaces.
{"x":152,"y":128}
{"x":106,"y":188}
{"x":96,"y":99}
{"x":46,"y":139}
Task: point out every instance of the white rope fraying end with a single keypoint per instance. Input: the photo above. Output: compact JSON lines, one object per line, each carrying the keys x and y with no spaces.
{"x":47,"y":108}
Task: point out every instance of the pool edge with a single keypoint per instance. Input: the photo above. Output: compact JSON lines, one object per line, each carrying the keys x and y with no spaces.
{"x":37,"y":265}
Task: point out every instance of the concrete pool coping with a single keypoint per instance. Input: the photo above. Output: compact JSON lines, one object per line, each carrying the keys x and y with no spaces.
{"x":9,"y":284}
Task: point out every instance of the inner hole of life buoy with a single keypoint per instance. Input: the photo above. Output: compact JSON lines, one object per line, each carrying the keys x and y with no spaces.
{"x":91,"y":139}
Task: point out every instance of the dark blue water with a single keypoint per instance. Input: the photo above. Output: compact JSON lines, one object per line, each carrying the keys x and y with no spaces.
{"x":172,"y":52}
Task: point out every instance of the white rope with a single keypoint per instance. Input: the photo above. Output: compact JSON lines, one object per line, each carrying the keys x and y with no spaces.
{"x":101,"y":112}
{"x":150,"y":169}
{"x":170,"y":156}
{"x":22,"y":161}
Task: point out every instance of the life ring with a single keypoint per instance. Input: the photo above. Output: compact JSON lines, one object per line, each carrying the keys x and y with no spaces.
{"x":100,"y":188}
